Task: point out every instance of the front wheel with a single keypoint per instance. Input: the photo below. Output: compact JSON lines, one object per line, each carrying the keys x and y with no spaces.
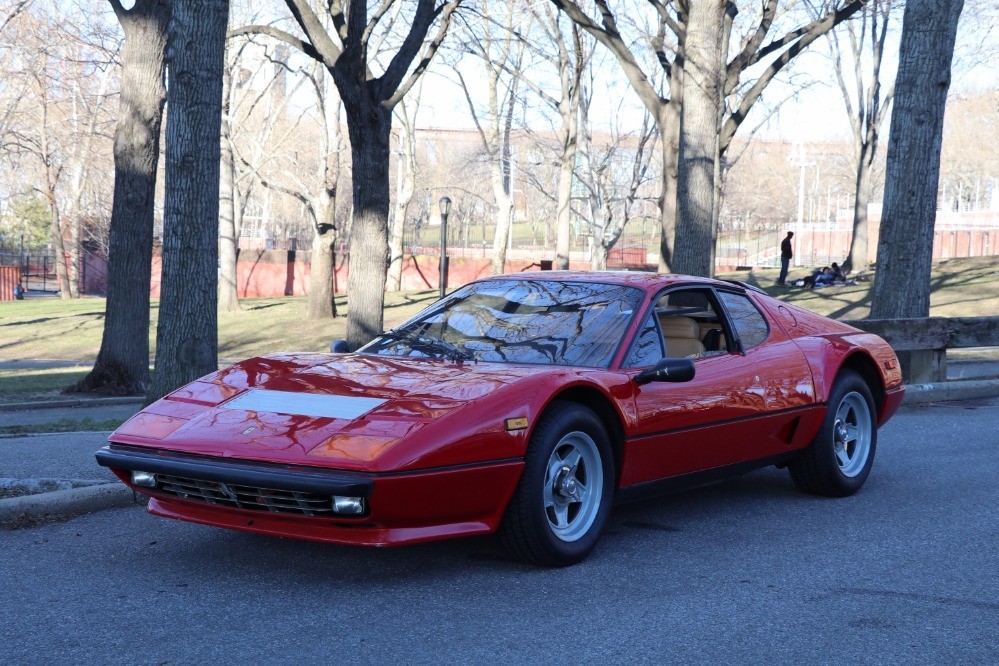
{"x":563,"y":498}
{"x":839,"y":459}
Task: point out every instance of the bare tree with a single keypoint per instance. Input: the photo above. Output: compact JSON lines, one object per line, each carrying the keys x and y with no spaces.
{"x":905,"y":245}
{"x":612,"y":174}
{"x":406,"y":112}
{"x":664,"y":106}
{"x":347,"y":52}
{"x":699,"y":138}
{"x":14,"y":12}
{"x":122,"y":364}
{"x":63,"y":77}
{"x":228,"y":230}
{"x":668,"y":47}
{"x":866,"y":107}
{"x":312,"y":180}
{"x":187,"y":331}
{"x":501,"y":57}
{"x":571,"y":59}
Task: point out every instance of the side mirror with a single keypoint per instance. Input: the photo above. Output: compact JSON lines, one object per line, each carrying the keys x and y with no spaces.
{"x":339,"y":347}
{"x":668,"y":370}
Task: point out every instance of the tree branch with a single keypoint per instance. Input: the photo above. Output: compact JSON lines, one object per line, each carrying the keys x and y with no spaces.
{"x":278,"y":34}
{"x":398,"y":89}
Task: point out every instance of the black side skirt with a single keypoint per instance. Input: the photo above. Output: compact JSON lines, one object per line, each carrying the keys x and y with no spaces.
{"x":674,"y":484}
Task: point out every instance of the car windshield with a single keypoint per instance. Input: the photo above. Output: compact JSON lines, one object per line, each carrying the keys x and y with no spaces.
{"x":519,"y":321}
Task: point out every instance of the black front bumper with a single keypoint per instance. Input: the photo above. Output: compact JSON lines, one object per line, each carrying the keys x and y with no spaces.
{"x":263,"y":475}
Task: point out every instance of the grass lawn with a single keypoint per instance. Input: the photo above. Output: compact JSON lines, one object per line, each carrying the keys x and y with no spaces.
{"x":960,"y":288}
{"x":28,"y":384}
{"x":49,"y":328}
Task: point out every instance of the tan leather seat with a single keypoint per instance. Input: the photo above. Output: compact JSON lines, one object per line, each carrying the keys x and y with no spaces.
{"x":682,"y":335}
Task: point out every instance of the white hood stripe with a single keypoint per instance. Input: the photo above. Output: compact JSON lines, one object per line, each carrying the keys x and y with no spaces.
{"x":305,"y":404}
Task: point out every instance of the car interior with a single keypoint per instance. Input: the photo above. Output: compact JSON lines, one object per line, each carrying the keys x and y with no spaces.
{"x":691,"y":327}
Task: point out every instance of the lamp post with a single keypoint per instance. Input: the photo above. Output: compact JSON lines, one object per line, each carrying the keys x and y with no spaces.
{"x":445,"y":204}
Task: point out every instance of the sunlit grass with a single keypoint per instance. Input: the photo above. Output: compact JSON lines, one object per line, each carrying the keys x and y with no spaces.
{"x":50,"y":328}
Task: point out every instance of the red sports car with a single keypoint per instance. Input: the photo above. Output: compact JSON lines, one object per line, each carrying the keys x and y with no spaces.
{"x":527,"y":404}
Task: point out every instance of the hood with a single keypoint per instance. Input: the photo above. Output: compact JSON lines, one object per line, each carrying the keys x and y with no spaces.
{"x":315,"y":409}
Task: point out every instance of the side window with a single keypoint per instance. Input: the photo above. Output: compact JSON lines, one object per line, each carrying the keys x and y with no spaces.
{"x":690,"y":325}
{"x":750,"y":324}
{"x":648,"y":348}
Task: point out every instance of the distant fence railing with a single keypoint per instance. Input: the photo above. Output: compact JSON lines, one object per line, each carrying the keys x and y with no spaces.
{"x":922,"y":343}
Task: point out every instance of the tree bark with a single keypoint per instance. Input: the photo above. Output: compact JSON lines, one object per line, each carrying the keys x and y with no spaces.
{"x":502,"y":174}
{"x":912,"y":176}
{"x":321,"y":294}
{"x":504,"y":218}
{"x":122,"y":365}
{"x":698,"y":138}
{"x":856,"y":260}
{"x":187,"y":334}
{"x":369,"y":127}
{"x":59,"y":248}
{"x":669,"y":133}
{"x":598,"y":255}
{"x":570,"y":76}
{"x":567,"y":169}
{"x":405,"y":187}
{"x":228,"y":238}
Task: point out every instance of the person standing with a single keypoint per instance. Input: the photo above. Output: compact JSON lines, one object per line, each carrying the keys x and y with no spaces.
{"x":786,"y":253}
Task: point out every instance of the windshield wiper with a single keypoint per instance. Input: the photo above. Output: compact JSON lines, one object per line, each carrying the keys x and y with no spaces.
{"x":423,"y":342}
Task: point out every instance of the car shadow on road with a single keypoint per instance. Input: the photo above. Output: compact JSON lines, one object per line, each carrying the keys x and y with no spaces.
{"x":676,"y":521}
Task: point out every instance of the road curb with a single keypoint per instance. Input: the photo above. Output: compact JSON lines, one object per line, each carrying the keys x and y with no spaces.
{"x":70,"y":502}
{"x":967,"y":389}
{"x":73,"y":402}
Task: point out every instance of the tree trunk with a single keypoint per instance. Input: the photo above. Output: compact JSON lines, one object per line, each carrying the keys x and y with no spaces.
{"x":228,"y":238}
{"x":59,"y":248}
{"x":698,"y":138}
{"x":566,"y":172}
{"x":668,"y":123}
{"x":321,"y":294}
{"x":856,"y":261}
{"x":504,"y":215}
{"x":187,"y":334}
{"x":370,"y":127}
{"x":912,"y":175}
{"x":122,"y":365}
{"x":598,"y":255}
{"x":74,"y":256}
{"x":404,"y":194}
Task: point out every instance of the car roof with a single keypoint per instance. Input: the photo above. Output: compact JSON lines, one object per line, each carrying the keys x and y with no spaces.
{"x":642,"y":279}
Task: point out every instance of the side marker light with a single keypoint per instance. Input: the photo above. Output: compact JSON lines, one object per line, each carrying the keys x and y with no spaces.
{"x":516,"y":424}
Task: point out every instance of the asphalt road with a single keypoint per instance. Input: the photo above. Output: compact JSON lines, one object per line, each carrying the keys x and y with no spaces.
{"x":749,"y":571}
{"x":68,"y":455}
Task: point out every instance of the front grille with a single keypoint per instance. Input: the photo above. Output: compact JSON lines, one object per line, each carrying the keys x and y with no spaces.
{"x":245,"y":497}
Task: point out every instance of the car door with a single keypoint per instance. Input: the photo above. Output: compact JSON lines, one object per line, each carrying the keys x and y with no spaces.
{"x":782,"y":370}
{"x":695,"y":425}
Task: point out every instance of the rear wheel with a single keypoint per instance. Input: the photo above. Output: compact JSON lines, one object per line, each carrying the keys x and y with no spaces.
{"x":562,"y":501}
{"x":839,"y":459}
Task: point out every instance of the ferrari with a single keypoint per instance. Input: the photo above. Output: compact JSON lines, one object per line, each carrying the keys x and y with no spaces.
{"x":524,"y":404}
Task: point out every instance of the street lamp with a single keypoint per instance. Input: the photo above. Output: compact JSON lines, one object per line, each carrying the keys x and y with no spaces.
{"x":445,"y":204}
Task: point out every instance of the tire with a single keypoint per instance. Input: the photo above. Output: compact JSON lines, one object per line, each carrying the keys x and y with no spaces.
{"x":839,"y":459}
{"x":563,"y":498}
